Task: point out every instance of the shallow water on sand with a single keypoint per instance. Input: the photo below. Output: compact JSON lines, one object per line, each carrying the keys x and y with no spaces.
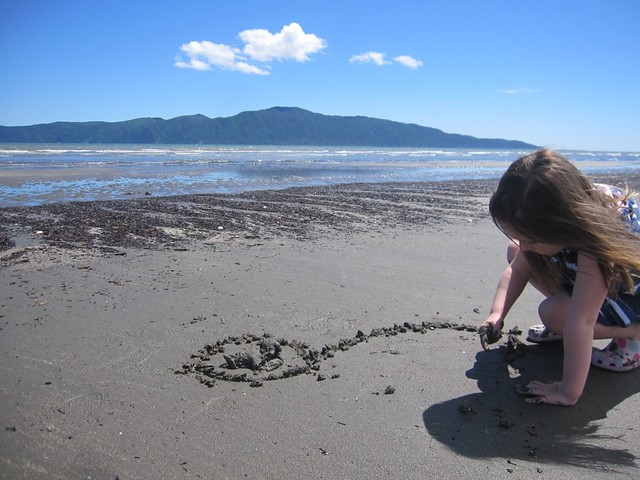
{"x":34,"y":174}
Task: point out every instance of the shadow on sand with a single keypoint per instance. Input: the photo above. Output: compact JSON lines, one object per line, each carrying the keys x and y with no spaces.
{"x":497,"y":423}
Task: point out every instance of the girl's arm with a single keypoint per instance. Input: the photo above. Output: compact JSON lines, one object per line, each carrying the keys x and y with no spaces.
{"x":511,"y":284}
{"x":588,"y":295}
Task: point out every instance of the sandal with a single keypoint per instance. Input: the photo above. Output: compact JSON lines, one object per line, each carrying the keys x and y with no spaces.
{"x":621,"y":355}
{"x":541,"y":334}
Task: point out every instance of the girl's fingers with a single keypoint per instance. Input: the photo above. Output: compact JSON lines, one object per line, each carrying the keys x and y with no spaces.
{"x":524,"y":390}
{"x":534,"y":389}
{"x":537,"y":400}
{"x":541,"y":393}
{"x":531,"y":388}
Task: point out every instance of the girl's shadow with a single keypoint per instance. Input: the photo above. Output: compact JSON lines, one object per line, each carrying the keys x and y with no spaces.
{"x":499,"y":423}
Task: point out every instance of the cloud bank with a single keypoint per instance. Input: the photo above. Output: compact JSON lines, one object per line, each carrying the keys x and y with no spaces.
{"x":378,"y":58}
{"x":262,"y":46}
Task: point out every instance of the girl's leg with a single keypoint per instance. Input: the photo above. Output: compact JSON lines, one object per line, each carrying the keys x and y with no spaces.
{"x":623,"y":352}
{"x":632,"y":332}
{"x":553,"y":311}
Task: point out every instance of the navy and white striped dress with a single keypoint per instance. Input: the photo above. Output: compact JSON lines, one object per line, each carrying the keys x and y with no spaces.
{"x":624,"y":309}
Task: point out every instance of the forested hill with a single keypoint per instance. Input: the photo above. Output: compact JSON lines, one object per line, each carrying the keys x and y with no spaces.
{"x":273,"y":126}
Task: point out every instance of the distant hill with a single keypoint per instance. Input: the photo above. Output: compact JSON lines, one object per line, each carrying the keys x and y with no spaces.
{"x":273,"y":126}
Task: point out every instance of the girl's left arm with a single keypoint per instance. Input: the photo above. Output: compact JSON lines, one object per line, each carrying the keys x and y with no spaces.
{"x":589,"y":293}
{"x":588,"y":296}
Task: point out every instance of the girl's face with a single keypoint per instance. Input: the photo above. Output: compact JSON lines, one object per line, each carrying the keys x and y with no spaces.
{"x":528,"y":245}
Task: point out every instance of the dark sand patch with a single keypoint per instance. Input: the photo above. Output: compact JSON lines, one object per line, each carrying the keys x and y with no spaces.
{"x":300,"y":213}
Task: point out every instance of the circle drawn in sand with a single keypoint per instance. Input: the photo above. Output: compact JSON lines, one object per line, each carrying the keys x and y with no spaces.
{"x":259,"y":358}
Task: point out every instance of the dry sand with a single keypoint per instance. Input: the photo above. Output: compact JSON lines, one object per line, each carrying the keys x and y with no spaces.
{"x":106,"y":335}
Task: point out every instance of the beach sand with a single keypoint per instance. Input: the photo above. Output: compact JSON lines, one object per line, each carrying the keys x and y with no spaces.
{"x":116,"y":318}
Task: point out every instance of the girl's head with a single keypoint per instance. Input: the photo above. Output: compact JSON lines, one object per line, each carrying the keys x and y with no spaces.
{"x":544,"y":199}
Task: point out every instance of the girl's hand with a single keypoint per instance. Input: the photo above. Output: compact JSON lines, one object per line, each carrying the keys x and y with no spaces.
{"x":549,"y":393}
{"x":490,"y":332}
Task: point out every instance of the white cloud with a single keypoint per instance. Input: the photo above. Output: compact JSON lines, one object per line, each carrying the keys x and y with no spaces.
{"x":369,"y":57}
{"x":193,"y":63}
{"x":514,"y":91}
{"x":408,"y":61}
{"x":291,"y":43}
{"x":377,"y":58}
{"x":204,"y":55}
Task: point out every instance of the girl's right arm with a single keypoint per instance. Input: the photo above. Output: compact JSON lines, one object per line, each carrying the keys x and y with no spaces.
{"x":512,"y":282}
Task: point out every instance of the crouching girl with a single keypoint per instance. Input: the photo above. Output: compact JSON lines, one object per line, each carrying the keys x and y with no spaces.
{"x":578,"y":244}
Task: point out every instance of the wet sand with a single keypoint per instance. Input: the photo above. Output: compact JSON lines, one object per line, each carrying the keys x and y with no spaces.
{"x":324,"y":332}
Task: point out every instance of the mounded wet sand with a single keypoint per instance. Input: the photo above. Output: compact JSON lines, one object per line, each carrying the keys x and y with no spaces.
{"x":323,"y":332}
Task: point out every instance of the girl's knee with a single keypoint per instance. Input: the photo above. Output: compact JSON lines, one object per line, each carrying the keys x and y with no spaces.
{"x":512,"y":251}
{"x":544,"y":311}
{"x":553,"y":311}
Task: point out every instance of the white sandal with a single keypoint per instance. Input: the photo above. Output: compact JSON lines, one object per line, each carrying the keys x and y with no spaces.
{"x":541,"y":334}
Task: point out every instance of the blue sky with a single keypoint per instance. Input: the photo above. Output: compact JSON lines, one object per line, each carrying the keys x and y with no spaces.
{"x":565,"y":74}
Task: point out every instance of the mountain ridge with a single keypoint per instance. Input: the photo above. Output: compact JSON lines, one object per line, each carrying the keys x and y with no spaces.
{"x":272,"y":126}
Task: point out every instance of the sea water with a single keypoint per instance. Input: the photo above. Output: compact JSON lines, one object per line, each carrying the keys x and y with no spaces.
{"x":34,"y":174}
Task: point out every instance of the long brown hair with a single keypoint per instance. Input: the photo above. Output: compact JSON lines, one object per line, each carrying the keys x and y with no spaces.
{"x":546,"y":198}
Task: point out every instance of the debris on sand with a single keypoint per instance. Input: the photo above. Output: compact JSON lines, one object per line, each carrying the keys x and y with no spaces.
{"x":302,"y":213}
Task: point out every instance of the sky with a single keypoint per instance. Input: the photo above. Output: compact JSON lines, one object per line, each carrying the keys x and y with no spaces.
{"x":557,"y":73}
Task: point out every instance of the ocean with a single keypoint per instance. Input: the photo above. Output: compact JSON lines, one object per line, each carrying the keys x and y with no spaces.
{"x":35,"y":174}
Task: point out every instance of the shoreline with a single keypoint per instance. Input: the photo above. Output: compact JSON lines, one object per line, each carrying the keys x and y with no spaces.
{"x":81,"y":174}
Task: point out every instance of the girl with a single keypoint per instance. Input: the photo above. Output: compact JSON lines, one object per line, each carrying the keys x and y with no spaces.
{"x":570,"y":243}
